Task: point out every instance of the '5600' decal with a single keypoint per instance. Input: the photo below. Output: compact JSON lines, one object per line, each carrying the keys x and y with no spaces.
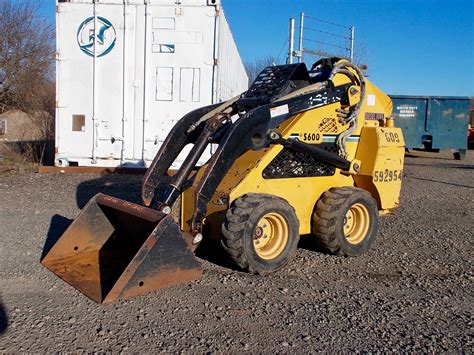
{"x":388,"y":175}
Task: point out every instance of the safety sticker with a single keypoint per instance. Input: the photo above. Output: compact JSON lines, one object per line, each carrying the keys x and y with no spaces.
{"x":374,"y":116}
{"x":370,"y":100}
{"x":279,"y":110}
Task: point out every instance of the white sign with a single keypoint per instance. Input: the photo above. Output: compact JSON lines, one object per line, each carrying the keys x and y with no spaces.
{"x":370,"y":100}
{"x":279,"y":110}
{"x":407,"y":111}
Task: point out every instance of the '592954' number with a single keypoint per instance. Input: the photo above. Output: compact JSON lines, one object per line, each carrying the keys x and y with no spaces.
{"x":387,"y":175}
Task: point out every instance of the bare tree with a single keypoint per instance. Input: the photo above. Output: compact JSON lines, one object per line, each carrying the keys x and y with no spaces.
{"x":254,"y":68}
{"x":26,"y":63}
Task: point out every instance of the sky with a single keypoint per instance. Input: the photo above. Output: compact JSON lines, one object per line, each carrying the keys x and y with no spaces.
{"x":411,"y":47}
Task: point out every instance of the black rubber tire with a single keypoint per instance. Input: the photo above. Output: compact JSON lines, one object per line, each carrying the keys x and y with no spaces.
{"x":460,"y":154}
{"x":238,"y":229}
{"x":328,"y":220}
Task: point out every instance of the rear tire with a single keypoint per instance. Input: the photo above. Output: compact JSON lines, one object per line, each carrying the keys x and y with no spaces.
{"x":345,"y":221}
{"x":260,"y":233}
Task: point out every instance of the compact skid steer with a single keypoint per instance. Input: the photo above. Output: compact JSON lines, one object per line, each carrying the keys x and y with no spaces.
{"x":301,"y":152}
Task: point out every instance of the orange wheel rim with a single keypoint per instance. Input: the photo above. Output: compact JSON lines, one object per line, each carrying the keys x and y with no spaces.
{"x":356,"y":223}
{"x":270,"y":236}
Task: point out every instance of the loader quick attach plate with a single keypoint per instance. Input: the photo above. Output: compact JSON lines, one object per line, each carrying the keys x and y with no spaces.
{"x":117,"y":249}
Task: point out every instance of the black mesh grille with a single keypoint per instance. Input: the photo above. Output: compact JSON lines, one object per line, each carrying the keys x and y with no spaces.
{"x":328,"y":125}
{"x":289,"y":163}
{"x":270,"y":81}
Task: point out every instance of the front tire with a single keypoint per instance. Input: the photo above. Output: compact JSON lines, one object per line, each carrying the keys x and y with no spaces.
{"x":260,"y":233}
{"x":345,"y":221}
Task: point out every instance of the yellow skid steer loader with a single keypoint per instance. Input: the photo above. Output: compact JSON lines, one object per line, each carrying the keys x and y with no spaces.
{"x":301,"y":152}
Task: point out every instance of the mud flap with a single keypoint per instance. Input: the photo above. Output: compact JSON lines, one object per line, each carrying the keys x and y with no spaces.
{"x":117,"y":249}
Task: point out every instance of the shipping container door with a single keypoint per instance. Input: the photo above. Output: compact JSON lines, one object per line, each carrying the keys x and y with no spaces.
{"x":179,"y":68}
{"x":74,"y":80}
{"x":447,"y":122}
{"x":110,"y":82}
{"x":120,"y":84}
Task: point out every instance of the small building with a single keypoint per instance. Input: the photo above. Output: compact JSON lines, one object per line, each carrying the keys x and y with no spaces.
{"x":17,"y":126}
{"x":21,"y":133}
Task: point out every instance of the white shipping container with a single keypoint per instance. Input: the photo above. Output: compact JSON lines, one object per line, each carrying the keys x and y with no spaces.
{"x":128,"y":70}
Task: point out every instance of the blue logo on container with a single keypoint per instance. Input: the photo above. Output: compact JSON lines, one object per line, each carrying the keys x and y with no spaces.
{"x":103,"y":41}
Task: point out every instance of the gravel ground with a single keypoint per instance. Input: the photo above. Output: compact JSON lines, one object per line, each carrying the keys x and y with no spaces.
{"x":411,"y":292}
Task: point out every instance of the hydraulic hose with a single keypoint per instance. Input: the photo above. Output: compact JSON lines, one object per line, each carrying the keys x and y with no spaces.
{"x":357,"y":79}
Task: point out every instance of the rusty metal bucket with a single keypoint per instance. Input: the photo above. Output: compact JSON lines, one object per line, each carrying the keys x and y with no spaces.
{"x":117,"y":249}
